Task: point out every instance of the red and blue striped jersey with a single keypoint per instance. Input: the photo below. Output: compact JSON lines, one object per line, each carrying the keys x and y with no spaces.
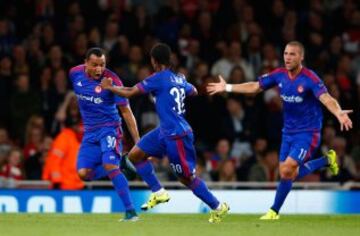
{"x":97,"y":106}
{"x":301,"y":106}
{"x":169,"y":91}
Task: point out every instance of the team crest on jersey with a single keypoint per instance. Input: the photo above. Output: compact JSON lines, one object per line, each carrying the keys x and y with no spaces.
{"x":98,"y":89}
{"x":300,"y":89}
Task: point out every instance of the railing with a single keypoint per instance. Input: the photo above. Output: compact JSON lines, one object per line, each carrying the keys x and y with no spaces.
{"x":38,"y":184}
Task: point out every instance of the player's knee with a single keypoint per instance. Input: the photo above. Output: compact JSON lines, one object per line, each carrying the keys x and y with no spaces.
{"x":186,"y":180}
{"x":136,"y":155}
{"x":85,"y":174}
{"x":110,"y":167}
{"x":287,"y":172}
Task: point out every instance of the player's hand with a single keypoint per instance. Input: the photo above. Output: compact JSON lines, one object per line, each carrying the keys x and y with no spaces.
{"x":106,"y":83}
{"x":344,"y":120}
{"x":213,"y":88}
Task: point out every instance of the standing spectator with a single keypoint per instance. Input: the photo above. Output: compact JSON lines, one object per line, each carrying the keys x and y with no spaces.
{"x":20,"y":64}
{"x":7,"y":39}
{"x":130,"y":69}
{"x":5,"y":145}
{"x":60,"y":163}
{"x":6,"y":81}
{"x":224,"y":66}
{"x":235,"y":128}
{"x":24,"y":102}
{"x":34,"y":163}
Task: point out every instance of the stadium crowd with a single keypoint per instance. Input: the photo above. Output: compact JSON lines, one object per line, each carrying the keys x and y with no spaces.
{"x":237,"y":137}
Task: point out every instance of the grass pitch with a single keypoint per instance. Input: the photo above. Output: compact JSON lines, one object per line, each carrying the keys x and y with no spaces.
{"x":175,"y":224}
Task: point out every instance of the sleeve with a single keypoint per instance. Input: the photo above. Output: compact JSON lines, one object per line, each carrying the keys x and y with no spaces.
{"x":317,"y":86}
{"x":148,"y":85}
{"x":121,"y":101}
{"x":190,"y":89}
{"x":267,"y":81}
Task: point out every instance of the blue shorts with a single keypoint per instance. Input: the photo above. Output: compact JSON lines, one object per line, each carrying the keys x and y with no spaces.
{"x":299,"y":146}
{"x":100,"y":146}
{"x":180,"y":151}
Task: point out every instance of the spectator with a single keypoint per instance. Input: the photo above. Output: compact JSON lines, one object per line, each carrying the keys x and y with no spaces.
{"x":12,"y":170}
{"x":6,"y":82}
{"x":221,"y":155}
{"x":224,"y":66}
{"x":60,"y":162}
{"x":234,"y":127}
{"x":266,"y":169}
{"x":34,"y":164}
{"x":227,"y":171}
{"x":24,"y":102}
{"x":5,"y":145}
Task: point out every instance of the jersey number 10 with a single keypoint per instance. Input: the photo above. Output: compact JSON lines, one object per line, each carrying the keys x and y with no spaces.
{"x":179,"y":97}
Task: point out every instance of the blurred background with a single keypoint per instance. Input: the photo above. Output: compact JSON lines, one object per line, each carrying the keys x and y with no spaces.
{"x":237,"y":137}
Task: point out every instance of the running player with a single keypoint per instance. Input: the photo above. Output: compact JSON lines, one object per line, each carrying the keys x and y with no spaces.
{"x":301,"y":90}
{"x":101,"y":147}
{"x":174,"y":136}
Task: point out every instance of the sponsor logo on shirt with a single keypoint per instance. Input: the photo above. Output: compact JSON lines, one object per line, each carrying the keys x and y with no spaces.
{"x":300,"y":89}
{"x":96,"y":100}
{"x":292,"y":99}
{"x":98,"y":89}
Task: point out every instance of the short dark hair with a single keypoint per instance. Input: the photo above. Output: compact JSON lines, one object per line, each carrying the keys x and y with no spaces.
{"x":299,"y":45}
{"x":94,"y":51}
{"x":161,"y":53}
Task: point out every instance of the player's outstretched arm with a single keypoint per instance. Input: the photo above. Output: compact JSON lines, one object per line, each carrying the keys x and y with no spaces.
{"x":127,"y":92}
{"x":222,"y":86}
{"x":333,"y":106}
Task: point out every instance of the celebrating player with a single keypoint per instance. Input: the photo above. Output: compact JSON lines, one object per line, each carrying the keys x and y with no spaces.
{"x":173,"y":137}
{"x":301,"y":90}
{"x":101,"y":147}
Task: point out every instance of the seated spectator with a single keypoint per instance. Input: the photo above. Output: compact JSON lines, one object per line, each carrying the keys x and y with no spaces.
{"x":227,"y":171}
{"x":266,"y":169}
{"x":200,"y":170}
{"x":13,"y":168}
{"x":259,"y":150}
{"x":221,"y":154}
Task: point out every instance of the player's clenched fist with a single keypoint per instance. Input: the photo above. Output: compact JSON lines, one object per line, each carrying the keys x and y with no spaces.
{"x":106,"y":83}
